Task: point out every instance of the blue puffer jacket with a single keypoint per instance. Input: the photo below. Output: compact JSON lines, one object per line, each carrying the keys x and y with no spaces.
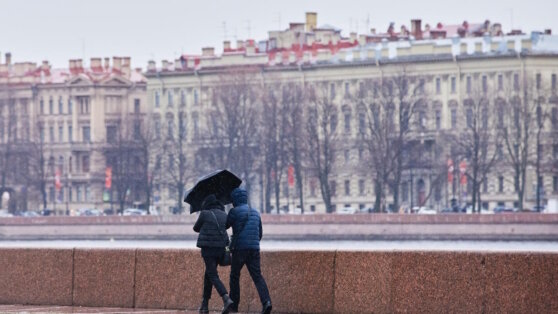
{"x":249,"y":238}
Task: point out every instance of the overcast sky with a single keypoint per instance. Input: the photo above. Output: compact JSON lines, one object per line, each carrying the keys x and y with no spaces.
{"x":58,"y":30}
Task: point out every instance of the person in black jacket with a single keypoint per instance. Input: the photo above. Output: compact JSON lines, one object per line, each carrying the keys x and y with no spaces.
{"x":245,"y":247}
{"x":212,"y":242}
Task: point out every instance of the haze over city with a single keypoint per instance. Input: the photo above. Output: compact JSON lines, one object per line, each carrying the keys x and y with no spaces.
{"x":61,"y":30}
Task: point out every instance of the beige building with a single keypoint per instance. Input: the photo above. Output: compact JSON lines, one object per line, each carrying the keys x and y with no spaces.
{"x":72,"y":112}
{"x":451,"y":59}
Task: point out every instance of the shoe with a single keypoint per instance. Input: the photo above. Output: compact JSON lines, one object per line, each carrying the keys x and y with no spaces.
{"x":233,"y":308}
{"x":204,"y":307}
{"x":267,"y":307}
{"x":227,"y":304}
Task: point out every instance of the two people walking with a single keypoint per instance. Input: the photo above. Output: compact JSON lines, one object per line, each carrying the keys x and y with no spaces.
{"x":247,"y":230}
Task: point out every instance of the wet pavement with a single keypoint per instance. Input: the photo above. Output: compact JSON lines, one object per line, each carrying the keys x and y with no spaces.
{"x":83,"y":310}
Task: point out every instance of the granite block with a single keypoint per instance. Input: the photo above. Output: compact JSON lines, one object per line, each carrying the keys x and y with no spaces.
{"x":173,"y":279}
{"x":437,"y":282}
{"x":362,"y":282}
{"x":104,"y":277}
{"x":522,"y":283}
{"x":298,"y":282}
{"x":36,"y":276}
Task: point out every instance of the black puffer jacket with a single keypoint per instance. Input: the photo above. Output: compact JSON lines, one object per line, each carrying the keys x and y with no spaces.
{"x":207,"y":227}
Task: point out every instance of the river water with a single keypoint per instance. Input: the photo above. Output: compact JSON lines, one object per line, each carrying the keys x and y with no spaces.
{"x":490,"y":246}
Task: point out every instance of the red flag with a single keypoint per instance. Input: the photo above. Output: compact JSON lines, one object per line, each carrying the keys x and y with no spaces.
{"x":462,"y":171}
{"x":57,"y":183}
{"x":450,"y":170}
{"x":290,"y":175}
{"x":108,"y":177}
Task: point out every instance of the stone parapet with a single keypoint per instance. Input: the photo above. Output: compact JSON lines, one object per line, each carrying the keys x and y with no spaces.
{"x":299,"y":281}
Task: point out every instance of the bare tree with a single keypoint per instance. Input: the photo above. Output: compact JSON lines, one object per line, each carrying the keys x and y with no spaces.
{"x":40,"y":170}
{"x":150,"y":147}
{"x":321,"y":139}
{"x":478,"y":141}
{"x":233,"y":123}
{"x":388,"y":106}
{"x":520,"y":127}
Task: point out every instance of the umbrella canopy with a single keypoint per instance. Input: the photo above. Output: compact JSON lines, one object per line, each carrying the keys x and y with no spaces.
{"x":221,"y":183}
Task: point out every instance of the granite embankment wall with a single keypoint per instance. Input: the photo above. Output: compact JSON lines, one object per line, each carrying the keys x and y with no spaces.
{"x":299,"y":281}
{"x":525,"y":226}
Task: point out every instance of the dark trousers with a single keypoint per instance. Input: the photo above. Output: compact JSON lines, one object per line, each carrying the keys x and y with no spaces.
{"x":250,"y":258}
{"x":211,"y":277}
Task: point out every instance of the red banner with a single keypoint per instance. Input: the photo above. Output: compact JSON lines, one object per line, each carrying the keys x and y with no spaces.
{"x":450,"y":170}
{"x":57,"y":183}
{"x":290,"y":175}
{"x":462,"y":172}
{"x":108,"y":177}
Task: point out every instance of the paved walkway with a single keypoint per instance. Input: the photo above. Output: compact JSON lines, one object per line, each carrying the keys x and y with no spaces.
{"x":83,"y":310}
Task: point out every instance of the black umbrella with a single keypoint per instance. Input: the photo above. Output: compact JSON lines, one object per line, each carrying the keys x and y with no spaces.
{"x":221,"y":183}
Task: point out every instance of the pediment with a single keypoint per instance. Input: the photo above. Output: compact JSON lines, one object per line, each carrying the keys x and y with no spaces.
{"x":80,"y":80}
{"x":115,"y":81}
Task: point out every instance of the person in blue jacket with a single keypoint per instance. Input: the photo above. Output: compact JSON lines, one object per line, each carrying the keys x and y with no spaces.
{"x":247,"y":229}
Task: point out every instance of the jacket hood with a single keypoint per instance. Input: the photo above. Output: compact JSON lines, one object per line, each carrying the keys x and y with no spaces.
{"x":210,"y":202}
{"x":239,"y":196}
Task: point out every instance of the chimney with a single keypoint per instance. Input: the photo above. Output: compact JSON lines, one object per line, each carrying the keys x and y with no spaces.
{"x":126,"y":67}
{"x":373,"y":31}
{"x":353,"y":37}
{"x":45,"y":66}
{"x":79,"y":65}
{"x":151,"y":67}
{"x":8,"y":58}
{"x":165,"y":65}
{"x":311,"y":21}
{"x":416,"y":28}
{"x":96,"y":64}
{"x":72,"y":65}
{"x":177,"y":64}
{"x":239,"y":44}
{"x":117,"y":64}
{"x":208,"y":51}
{"x":226,"y":45}
{"x":107,"y":63}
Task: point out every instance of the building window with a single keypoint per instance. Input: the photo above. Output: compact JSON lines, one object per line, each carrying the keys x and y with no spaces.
{"x":484,"y":84}
{"x":454,"y":118}
{"x":87,"y":194}
{"x":70,"y":134}
{"x":538,"y":80}
{"x":332,"y":91}
{"x":83,"y":105}
{"x":111,"y":134}
{"x":157,"y":99}
{"x":195,"y":124}
{"x":51,"y":134}
{"x":42,"y":106}
{"x":485,"y":186}
{"x":333,"y":188}
{"x":70,"y":107}
{"x":42,"y":134}
{"x":333,"y":123}
{"x":553,"y":82}
{"x":50,"y":105}
{"x":171,"y":162}
{"x":347,"y":122}
{"x":361,"y":187}
{"x":347,"y":155}
{"x":137,"y":108}
{"x":453,"y":85}
{"x":361,"y":123}
{"x":60,"y":134}
{"x":137,"y":130}
{"x":405,"y":191}
{"x":60,"y":105}
{"x":469,"y":117}
{"x":422,"y":119}
{"x":182,"y":98}
{"x":170,"y":129}
{"x":555,"y":184}
{"x":170,"y":98}
{"x":78,"y":193}
{"x":438,"y":86}
{"x":85,"y":164}
{"x":468,"y":86}
{"x":438,"y":119}
{"x":347,"y":188}
{"x":196,"y":100}
{"x":500,"y":82}
{"x":347,"y":92}
{"x":421,"y":86}
{"x":501,"y":184}
{"x":86,"y":134}
{"x":516,"y":81}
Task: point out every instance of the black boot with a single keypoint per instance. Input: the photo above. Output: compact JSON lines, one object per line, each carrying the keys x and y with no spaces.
{"x":227,"y":304}
{"x":204,"y":307}
{"x":266,"y":309}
